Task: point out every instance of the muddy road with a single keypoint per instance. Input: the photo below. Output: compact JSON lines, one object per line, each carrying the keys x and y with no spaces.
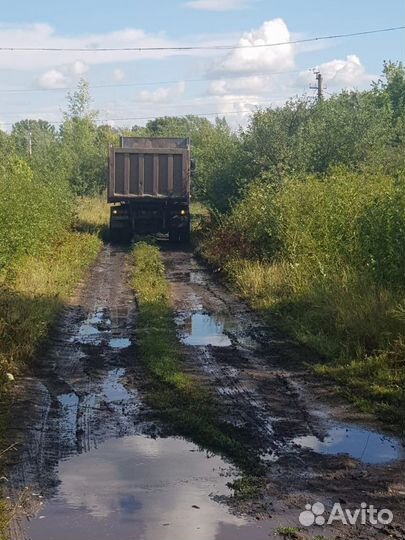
{"x":92,"y":462}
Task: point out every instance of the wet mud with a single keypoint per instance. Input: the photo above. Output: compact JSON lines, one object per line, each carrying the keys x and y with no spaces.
{"x":316,"y":446}
{"x":91,"y":462}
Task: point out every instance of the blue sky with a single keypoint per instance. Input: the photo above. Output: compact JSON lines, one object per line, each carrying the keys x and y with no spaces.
{"x":229,"y":83}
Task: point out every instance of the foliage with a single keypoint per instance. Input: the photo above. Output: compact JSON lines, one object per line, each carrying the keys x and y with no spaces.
{"x":357,"y":130}
{"x":28,"y":219}
{"x":40,"y":133}
{"x":46,"y":237}
{"x":317,"y":238}
{"x":34,"y":292}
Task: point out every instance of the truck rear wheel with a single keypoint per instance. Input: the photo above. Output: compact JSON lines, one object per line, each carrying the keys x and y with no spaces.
{"x":173,"y":235}
{"x":120,"y":236}
{"x":184,"y":236}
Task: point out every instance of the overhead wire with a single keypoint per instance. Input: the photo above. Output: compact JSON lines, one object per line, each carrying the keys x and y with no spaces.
{"x":149,"y":83}
{"x":200,"y":47}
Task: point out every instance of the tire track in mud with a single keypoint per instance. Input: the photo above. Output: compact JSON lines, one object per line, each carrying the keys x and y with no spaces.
{"x":257,"y":375}
{"x":80,"y":396}
{"x":237,"y":368}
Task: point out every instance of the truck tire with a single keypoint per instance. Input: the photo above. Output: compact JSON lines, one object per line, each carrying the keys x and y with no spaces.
{"x":173,"y":235}
{"x":184,"y":236}
{"x":120,"y":236}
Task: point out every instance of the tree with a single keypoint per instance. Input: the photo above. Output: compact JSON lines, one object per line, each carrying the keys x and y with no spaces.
{"x":391,"y":88}
{"x":39,"y":134}
{"x":79,"y":103}
{"x":85,"y":157}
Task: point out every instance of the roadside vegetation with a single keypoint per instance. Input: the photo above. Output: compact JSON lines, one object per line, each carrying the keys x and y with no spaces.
{"x":177,"y":397}
{"x":311,"y":230}
{"x":51,"y":220}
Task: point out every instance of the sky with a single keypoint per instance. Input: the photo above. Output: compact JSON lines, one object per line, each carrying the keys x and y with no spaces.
{"x":128,"y":88}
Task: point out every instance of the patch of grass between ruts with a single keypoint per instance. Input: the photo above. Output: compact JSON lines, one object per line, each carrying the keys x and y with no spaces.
{"x":192,"y":411}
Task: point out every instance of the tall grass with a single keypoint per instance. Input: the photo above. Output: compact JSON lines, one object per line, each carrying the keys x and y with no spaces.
{"x":92,"y":215}
{"x":328,"y":257}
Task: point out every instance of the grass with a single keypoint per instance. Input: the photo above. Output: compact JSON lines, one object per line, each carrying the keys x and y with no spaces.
{"x":33,"y":293}
{"x":92,"y":215}
{"x":290,"y":533}
{"x":191,"y":411}
{"x":34,"y":288}
{"x":350,"y":323}
{"x":5,"y":511}
{"x":247,"y":487}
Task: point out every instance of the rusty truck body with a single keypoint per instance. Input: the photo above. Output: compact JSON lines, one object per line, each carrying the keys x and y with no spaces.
{"x":149,"y":187}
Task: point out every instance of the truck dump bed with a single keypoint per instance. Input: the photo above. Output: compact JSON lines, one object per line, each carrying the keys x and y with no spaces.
{"x":156,"y":168}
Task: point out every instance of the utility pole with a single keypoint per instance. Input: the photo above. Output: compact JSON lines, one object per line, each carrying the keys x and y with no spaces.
{"x":29,"y":140}
{"x":30,"y":143}
{"x":319,"y":85}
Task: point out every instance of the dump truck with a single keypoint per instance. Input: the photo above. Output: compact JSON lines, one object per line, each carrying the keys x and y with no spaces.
{"x":149,"y":188}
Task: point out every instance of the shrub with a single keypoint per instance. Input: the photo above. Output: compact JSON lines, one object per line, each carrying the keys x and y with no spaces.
{"x":32,"y":213}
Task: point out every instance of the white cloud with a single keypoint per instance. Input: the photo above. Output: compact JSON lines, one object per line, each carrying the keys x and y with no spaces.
{"x":254,"y":83}
{"x":217,"y":5}
{"x":52,"y":79}
{"x":62,"y":76}
{"x":118,"y":74}
{"x":348,"y":73}
{"x":162,"y":95}
{"x":77,"y":68}
{"x":255,"y":56}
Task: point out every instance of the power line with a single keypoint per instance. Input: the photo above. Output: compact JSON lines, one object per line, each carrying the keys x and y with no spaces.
{"x":199,"y":47}
{"x":105,"y":120}
{"x":168,"y":105}
{"x":145,"y":83}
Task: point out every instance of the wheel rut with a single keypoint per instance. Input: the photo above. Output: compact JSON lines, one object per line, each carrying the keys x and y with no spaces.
{"x":315,"y":449}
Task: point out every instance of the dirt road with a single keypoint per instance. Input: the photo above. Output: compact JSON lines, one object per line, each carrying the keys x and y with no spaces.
{"x":91,"y":461}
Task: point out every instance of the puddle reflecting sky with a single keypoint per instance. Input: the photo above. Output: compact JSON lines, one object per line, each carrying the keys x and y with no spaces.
{"x":96,"y":329}
{"x":119,"y":343}
{"x":203,"y":329}
{"x":141,"y":488}
{"x":359,"y":443}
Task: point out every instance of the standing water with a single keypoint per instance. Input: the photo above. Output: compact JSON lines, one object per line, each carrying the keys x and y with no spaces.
{"x":142,"y":488}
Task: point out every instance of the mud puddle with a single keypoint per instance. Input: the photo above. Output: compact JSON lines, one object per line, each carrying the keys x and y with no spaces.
{"x":142,"y":488}
{"x":362,"y":444}
{"x":204,"y":329}
{"x":211,"y":319}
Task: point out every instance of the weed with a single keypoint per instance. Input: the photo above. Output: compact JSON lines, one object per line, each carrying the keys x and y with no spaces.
{"x":247,"y":487}
{"x":291,"y":533}
{"x":35,"y":290}
{"x":92,"y":215}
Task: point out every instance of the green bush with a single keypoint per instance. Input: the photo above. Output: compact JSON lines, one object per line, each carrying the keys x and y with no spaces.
{"x":33,"y":214}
